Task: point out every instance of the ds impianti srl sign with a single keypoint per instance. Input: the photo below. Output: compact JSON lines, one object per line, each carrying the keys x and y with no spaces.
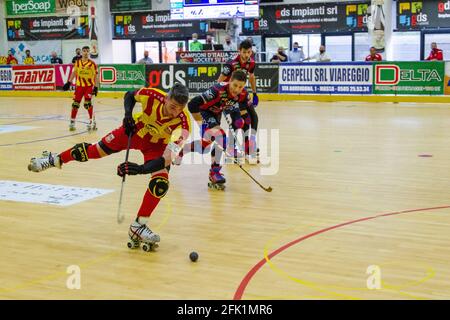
{"x":21,"y":7}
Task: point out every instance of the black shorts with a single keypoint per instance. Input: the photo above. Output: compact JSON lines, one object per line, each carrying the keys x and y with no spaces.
{"x":212,"y":119}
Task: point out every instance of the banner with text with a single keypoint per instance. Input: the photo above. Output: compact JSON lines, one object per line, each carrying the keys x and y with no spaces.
{"x":417,"y":15}
{"x":32,"y":7}
{"x":33,"y":77}
{"x":307,"y":18}
{"x":409,"y":77}
{"x":6,"y":82}
{"x":40,"y":50}
{"x":326,"y":78}
{"x":197,"y":77}
{"x":205,"y":56}
{"x":121,"y":77}
{"x":62,"y":74}
{"x":130,"y":5}
{"x":266,"y":75}
{"x":155,"y":24}
{"x":47,"y":28}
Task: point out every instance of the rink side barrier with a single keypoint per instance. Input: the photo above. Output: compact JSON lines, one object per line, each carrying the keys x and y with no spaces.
{"x":328,"y":82}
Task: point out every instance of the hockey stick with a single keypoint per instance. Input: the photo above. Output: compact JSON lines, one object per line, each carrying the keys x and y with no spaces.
{"x":268,"y":189}
{"x":121,"y":217}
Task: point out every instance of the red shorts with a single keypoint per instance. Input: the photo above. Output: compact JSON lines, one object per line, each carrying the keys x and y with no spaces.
{"x":117,"y":141}
{"x":81,"y":92}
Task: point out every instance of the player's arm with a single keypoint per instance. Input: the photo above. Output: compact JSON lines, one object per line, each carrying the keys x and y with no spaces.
{"x":252,"y":80}
{"x":206,"y":99}
{"x":129,"y":101}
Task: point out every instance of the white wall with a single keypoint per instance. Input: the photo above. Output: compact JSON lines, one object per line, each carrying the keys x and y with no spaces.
{"x":121,"y":51}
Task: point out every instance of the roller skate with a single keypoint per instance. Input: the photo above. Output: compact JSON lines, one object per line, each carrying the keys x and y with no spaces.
{"x":216,"y":179}
{"x":72,"y":125}
{"x":141,"y":234}
{"x":46,"y":161}
{"x":91,"y":126}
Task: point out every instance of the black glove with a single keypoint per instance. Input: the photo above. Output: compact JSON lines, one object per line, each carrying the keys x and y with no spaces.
{"x":66,"y":86}
{"x":95,"y":91}
{"x":129,"y":168}
{"x":129,"y":125}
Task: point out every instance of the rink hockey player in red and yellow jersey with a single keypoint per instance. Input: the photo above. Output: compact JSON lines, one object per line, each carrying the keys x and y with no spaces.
{"x":159,"y":132}
{"x":85,"y":71}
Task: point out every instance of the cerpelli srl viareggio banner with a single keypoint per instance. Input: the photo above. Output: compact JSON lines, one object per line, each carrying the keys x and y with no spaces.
{"x":200,"y":77}
{"x":326,"y":78}
{"x":306,"y":18}
{"x":155,"y":24}
{"x":417,"y":15}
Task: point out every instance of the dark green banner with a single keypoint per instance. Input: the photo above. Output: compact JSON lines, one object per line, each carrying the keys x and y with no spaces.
{"x":130,"y":5}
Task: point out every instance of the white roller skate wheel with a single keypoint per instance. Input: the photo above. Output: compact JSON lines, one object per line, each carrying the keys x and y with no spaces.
{"x":146,"y":247}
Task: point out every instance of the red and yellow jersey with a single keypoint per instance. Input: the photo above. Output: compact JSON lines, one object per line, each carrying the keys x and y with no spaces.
{"x":28,"y":60}
{"x":86,"y":72}
{"x":153,"y":126}
{"x":11,"y":60}
{"x":3,"y":60}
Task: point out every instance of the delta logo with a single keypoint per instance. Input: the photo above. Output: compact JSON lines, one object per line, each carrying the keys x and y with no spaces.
{"x":410,"y":14}
{"x":387,"y":74}
{"x":110,"y":75}
{"x":356,"y":15}
{"x":123,"y":26}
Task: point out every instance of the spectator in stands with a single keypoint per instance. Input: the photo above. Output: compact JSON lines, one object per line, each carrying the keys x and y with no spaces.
{"x":322,"y":56}
{"x":77,"y":55}
{"x":435,"y":54}
{"x":146,"y":59}
{"x":280,"y":56}
{"x":11,"y":59}
{"x":28,"y":58}
{"x":195,"y":44}
{"x":296,"y":55}
{"x":374,"y":56}
{"x":229,"y":45}
{"x":55,"y":59}
{"x":209,"y":43}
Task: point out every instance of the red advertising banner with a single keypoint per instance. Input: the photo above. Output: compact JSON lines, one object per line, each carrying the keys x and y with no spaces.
{"x":205,"y":56}
{"x":62,"y":74}
{"x":34,"y":77}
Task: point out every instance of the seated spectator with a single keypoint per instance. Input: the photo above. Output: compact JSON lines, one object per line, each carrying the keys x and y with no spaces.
{"x":435,"y":54}
{"x":374,"y":56}
{"x":55,"y":59}
{"x":28,"y":59}
{"x":322,"y":56}
{"x":280,"y":56}
{"x":11,"y":59}
{"x":229,"y":45}
{"x":195,"y":45}
{"x":146,"y":59}
{"x":296,"y":55}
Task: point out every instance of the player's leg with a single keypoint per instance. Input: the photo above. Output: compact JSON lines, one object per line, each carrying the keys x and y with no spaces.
{"x":156,"y":190}
{"x":236,"y":122}
{"x":113,"y":142}
{"x":251,"y":147}
{"x":77,"y":96}
{"x":90,"y":108}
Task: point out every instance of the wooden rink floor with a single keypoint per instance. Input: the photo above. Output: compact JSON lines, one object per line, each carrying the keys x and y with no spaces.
{"x":360,"y":186}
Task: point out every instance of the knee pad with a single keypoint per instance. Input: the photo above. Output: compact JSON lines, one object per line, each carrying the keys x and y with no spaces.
{"x":87,"y":104}
{"x":158,"y":186}
{"x":239,"y":123}
{"x":247,"y":119}
{"x":75,"y":104}
{"x":79,"y":152}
